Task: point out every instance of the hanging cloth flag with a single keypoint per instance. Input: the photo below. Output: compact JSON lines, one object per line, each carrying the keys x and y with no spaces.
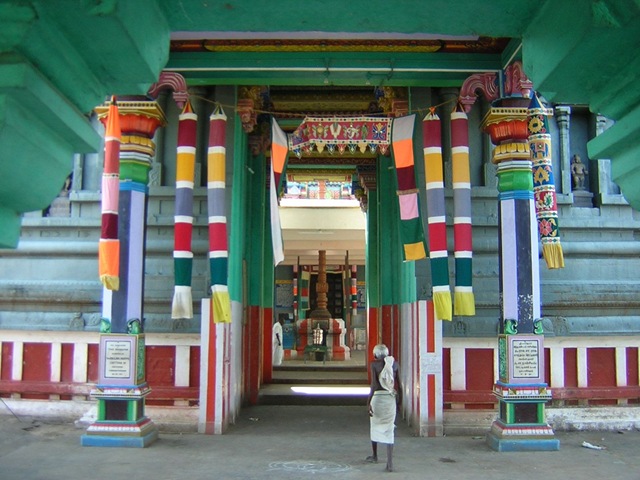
{"x":544,"y":190}
{"x":109,"y":246}
{"x":279,"y":152}
{"x":411,"y":232}
{"x":216,"y":203}
{"x":434,"y":176}
{"x":182,"y":305}
{"x":463,"y":299}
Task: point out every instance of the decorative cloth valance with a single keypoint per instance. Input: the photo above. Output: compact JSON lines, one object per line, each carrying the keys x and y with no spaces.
{"x":344,"y":134}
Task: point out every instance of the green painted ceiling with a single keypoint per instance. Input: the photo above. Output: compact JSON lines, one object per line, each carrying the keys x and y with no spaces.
{"x":59,"y":59}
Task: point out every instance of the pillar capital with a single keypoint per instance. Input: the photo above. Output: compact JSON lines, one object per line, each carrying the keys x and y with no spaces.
{"x":506,"y":124}
{"x":136,"y":116}
{"x":139,"y":120}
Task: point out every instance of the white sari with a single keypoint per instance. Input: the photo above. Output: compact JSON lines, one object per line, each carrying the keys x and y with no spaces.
{"x":383,"y":405}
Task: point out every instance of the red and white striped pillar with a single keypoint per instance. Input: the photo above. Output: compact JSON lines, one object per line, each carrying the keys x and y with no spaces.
{"x":215,"y":373}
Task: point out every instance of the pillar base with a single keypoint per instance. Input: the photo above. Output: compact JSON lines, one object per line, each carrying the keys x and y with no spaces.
{"x":522,"y":438}
{"x":118,"y":434}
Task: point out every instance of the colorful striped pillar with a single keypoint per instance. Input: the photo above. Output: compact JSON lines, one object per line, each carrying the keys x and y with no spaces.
{"x":521,"y":389}
{"x":182,"y":305}
{"x":138,"y":122}
{"x":295,"y":291}
{"x":216,"y":207}
{"x":122,"y":386}
{"x":354,"y":291}
{"x":436,"y":215}
{"x":463,"y":298}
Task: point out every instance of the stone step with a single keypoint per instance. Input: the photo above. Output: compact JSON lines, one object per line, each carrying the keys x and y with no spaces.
{"x":314,"y":366}
{"x":314,"y":394}
{"x":319,"y":377}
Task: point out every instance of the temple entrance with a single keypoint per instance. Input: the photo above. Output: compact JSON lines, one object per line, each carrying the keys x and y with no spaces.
{"x":319,"y":356}
{"x":323,"y":309}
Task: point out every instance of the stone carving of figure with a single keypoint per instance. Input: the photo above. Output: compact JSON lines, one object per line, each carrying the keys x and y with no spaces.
{"x":578,"y":172}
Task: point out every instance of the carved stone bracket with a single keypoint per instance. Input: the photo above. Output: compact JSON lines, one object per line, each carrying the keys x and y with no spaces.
{"x":516,"y":82}
{"x":485,"y":83}
{"x":172,"y":81}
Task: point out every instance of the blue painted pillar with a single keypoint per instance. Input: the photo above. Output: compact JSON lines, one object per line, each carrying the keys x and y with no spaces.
{"x":122,"y":385}
{"x":521,"y":389}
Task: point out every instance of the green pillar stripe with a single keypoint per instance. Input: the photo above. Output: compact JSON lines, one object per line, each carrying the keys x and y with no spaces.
{"x":134,"y":171}
{"x":440,"y":271}
{"x":218,"y":268}
{"x":540,"y":413}
{"x":131,"y":410}
{"x":256,"y":210}
{"x":102,"y":412}
{"x":267,"y":267}
{"x":515,"y":177}
{"x":238,"y":222}
{"x":511,"y":414}
{"x":390,"y":248}
{"x":463,"y":269}
{"x":182,"y":270}
{"x":408,"y":286}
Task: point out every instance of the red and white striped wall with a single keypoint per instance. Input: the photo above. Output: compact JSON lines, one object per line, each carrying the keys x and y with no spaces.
{"x":446,"y":386}
{"x":52,"y":374}
{"x":448,"y":382}
{"x":220,"y":395}
{"x":421,"y":361}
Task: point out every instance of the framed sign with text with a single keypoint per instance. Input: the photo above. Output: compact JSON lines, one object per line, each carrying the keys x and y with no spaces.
{"x":525,"y":359}
{"x":121,"y":359}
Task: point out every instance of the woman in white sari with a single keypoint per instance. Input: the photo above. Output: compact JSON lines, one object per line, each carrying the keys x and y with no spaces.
{"x":382,"y":403}
{"x":278,"y":350}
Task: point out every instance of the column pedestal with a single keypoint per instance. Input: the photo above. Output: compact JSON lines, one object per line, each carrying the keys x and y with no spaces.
{"x":522,"y":394}
{"x":120,"y":393}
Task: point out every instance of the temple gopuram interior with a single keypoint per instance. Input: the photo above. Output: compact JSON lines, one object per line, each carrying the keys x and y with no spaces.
{"x":457,"y":182}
